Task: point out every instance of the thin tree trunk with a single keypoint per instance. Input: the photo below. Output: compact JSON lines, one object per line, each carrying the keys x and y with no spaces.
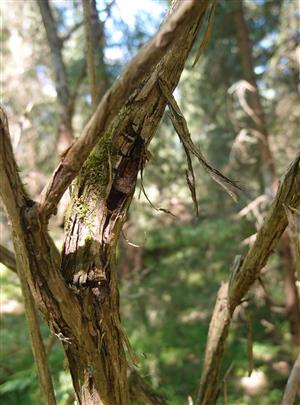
{"x":78,"y":295}
{"x":100,"y":202}
{"x":90,"y":48}
{"x":65,"y":130}
{"x":270,"y":179}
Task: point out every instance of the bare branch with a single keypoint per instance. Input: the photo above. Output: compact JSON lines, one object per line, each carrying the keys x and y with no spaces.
{"x":40,"y":260}
{"x":293,"y":384}
{"x":294,"y":237}
{"x":68,"y":35}
{"x":14,"y":197}
{"x":243,"y":278}
{"x":37,"y":344}
{"x":137,"y":70}
{"x":8,"y":259}
{"x":141,"y":392}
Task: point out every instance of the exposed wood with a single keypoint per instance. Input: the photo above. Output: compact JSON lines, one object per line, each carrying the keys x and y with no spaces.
{"x":247,"y":272}
{"x":80,"y":302}
{"x":100,"y":200}
{"x":139,"y":390}
{"x":137,"y":70}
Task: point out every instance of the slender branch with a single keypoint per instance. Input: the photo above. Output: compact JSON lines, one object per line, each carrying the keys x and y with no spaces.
{"x":68,"y":35}
{"x":37,"y":345}
{"x":32,"y":244}
{"x":293,"y":384}
{"x":141,"y":392}
{"x":91,"y":66}
{"x":14,"y":197}
{"x":243,"y":278}
{"x":108,"y":8}
{"x":294,"y":238}
{"x":113,"y":100}
{"x":8,"y":259}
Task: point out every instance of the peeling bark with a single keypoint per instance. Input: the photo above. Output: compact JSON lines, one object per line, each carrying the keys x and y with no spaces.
{"x":230,"y":297}
{"x":14,"y":198}
{"x":78,"y":293}
{"x":100,"y":201}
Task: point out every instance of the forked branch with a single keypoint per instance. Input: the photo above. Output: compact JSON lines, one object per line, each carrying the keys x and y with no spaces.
{"x":137,"y":70}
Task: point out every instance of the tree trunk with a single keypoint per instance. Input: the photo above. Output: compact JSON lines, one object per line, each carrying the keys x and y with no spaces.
{"x":270,"y":179}
{"x":100,"y":202}
{"x":78,"y":294}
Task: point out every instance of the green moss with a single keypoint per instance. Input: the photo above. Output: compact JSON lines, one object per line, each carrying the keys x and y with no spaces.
{"x":80,"y":207}
{"x":96,"y":170}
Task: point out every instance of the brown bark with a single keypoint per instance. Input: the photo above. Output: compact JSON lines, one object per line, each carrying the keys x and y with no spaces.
{"x":243,"y":278}
{"x":139,"y":390}
{"x":66,"y":94}
{"x":78,"y":296}
{"x":270,"y":179}
{"x":37,"y":345}
{"x":110,"y":105}
{"x":105,"y":185}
